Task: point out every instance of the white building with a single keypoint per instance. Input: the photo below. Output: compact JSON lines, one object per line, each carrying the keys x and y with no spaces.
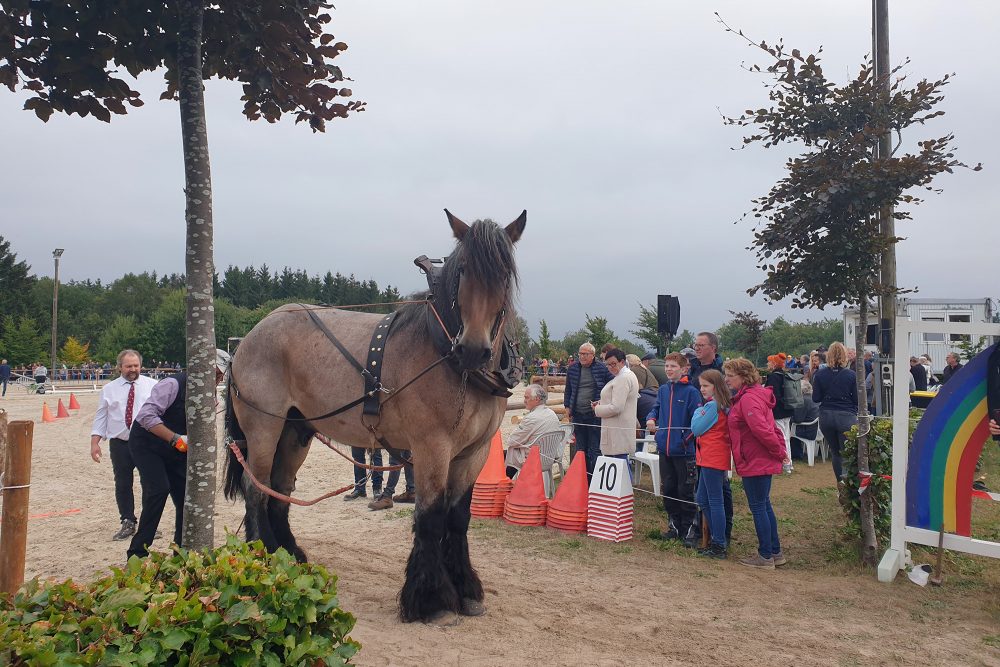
{"x":926,"y":310}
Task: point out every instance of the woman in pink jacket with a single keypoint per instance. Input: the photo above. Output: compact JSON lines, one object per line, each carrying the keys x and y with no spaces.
{"x":758,"y":450}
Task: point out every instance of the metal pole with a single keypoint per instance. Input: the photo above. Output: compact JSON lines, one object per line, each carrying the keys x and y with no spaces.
{"x":887,"y":224}
{"x":56,"y":254}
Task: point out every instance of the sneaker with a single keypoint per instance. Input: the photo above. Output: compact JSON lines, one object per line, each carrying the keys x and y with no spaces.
{"x":779,"y":559}
{"x":758,"y":562}
{"x":713,"y":550}
{"x":355,"y":494}
{"x":127,"y":530}
{"x":405,"y":497}
{"x":383,"y":502}
{"x":692,"y":538}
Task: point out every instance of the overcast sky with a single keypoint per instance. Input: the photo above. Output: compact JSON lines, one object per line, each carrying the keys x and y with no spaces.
{"x":601,"y":119}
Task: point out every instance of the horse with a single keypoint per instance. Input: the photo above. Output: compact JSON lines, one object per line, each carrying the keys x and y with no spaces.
{"x":300,"y":361}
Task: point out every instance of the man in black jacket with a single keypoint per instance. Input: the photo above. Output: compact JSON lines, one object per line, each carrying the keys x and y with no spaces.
{"x":919,"y":374}
{"x":158,"y":446}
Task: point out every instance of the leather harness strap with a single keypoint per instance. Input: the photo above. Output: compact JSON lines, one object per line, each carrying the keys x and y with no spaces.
{"x":373,"y":365}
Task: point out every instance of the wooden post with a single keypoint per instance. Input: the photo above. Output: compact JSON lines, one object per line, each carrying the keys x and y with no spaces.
{"x":14,"y":531}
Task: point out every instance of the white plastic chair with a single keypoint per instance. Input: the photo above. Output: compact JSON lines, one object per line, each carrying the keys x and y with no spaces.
{"x":812,"y":445}
{"x":647,"y":458}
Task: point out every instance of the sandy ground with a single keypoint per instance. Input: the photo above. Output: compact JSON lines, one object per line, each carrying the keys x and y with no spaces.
{"x":552,"y":599}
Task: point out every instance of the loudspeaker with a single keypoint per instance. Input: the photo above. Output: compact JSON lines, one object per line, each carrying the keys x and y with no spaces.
{"x":668,"y":315}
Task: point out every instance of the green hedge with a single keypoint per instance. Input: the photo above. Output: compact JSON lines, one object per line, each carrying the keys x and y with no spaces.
{"x":235,"y":605}
{"x":880,"y":463}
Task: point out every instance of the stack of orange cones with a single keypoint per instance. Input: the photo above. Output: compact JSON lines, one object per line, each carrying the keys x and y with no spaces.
{"x":492,"y":486}
{"x":568,"y":509}
{"x":610,"y":503}
{"x":526,"y":505}
{"x":73,"y":403}
{"x":46,"y":414}
{"x":61,"y":411}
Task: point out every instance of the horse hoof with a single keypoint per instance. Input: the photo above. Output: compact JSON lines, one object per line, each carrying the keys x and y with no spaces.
{"x":472,"y":607}
{"x":443,"y":619}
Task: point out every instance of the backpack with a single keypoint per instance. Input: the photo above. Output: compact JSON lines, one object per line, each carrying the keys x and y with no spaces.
{"x":791,"y":395}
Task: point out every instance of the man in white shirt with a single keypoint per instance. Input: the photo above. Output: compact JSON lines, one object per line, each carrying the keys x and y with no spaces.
{"x":539,"y":420}
{"x":119,"y":404}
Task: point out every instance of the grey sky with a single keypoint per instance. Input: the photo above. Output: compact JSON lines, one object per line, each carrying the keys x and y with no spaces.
{"x":600,"y":119}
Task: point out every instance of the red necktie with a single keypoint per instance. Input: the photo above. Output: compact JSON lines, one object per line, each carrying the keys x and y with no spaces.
{"x":129,"y":405}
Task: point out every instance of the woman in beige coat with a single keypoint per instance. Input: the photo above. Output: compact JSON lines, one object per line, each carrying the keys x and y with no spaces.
{"x":617,"y":407}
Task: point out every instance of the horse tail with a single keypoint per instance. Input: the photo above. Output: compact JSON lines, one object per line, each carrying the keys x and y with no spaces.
{"x":233,"y":486}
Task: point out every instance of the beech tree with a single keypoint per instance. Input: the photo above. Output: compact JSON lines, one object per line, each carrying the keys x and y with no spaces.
{"x":817,"y":237}
{"x":66,"y":56}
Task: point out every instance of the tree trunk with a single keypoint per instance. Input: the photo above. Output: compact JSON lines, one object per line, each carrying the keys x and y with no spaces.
{"x":869,"y":543}
{"x":199,"y":500}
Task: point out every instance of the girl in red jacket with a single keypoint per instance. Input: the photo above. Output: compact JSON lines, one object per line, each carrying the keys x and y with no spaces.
{"x":714,"y":454}
{"x":758,"y":450}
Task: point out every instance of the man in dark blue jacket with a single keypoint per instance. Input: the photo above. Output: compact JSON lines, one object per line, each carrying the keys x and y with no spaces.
{"x":584,"y":381}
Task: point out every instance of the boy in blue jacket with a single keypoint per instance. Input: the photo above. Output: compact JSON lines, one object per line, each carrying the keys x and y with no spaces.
{"x":676,"y":403}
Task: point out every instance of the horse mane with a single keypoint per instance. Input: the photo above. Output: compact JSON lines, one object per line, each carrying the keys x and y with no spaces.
{"x":485,"y":254}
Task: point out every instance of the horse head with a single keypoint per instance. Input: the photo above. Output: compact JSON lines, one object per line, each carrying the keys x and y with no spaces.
{"x":481,"y":276}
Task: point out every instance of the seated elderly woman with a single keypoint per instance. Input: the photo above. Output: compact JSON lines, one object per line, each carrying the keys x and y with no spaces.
{"x":539,"y":420}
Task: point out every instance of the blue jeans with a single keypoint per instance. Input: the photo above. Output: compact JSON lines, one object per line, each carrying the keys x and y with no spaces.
{"x":588,"y":440}
{"x":709,"y":498}
{"x":758,"y":491}
{"x":390,"y":484}
{"x":360,"y":474}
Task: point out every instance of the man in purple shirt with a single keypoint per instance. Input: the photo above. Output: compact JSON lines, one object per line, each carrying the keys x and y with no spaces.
{"x":159,"y":448}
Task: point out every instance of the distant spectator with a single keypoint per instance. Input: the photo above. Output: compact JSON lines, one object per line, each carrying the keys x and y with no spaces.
{"x":4,"y":375}
{"x":706,"y":349}
{"x":642,"y":374}
{"x":919,"y":374}
{"x":925,"y":361}
{"x":655,"y":366}
{"x":617,"y":407}
{"x":782,"y":415}
{"x":584,"y":382}
{"x":539,"y":420}
{"x":952,"y":367}
{"x":835,"y":389}
{"x":40,"y":373}
{"x":807,"y":413}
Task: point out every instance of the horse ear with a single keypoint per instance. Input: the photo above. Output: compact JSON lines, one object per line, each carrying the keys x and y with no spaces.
{"x":516,"y":228}
{"x":458,"y":228}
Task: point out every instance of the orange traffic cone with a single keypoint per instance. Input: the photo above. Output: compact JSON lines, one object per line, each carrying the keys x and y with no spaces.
{"x":526,"y":505}
{"x":61,"y":411}
{"x":572,"y":494}
{"x":46,"y":414}
{"x":494,"y":470}
{"x":73,"y":403}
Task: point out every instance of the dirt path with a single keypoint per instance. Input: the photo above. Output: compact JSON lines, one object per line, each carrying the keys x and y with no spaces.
{"x":552,"y":599}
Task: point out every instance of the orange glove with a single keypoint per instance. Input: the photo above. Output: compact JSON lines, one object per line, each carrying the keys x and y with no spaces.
{"x":179,"y":443}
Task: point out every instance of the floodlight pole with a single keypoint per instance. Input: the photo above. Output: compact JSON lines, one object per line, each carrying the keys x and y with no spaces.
{"x":56,"y":254}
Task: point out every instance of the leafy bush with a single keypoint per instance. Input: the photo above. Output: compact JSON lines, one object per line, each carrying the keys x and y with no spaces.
{"x":235,"y":605}
{"x":880,"y":463}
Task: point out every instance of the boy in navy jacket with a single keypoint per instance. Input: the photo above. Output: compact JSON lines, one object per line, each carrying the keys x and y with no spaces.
{"x":671,"y":419}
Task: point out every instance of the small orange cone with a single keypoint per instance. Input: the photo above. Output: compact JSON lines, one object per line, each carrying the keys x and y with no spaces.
{"x":494,"y":471}
{"x":73,"y":403}
{"x":46,"y":414}
{"x":61,"y":411}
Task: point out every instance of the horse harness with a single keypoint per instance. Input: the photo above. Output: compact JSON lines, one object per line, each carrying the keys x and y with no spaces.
{"x":495,"y":382}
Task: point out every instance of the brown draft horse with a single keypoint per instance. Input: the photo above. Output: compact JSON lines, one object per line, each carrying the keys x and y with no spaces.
{"x":287,"y":372}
